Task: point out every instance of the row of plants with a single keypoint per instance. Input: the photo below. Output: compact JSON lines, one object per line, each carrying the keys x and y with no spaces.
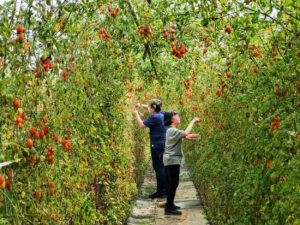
{"x":64,"y":119}
{"x":245,"y":163}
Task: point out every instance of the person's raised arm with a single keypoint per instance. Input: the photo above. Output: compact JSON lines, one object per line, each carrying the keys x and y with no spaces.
{"x":138,"y":105}
{"x":190,"y":126}
{"x":139,"y":120}
{"x":144,"y":106}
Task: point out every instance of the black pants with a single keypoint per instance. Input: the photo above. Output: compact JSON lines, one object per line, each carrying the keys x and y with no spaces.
{"x":159,"y":168}
{"x":172,"y":183}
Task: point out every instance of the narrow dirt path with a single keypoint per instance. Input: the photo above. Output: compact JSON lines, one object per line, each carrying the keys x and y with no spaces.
{"x":151,"y":212}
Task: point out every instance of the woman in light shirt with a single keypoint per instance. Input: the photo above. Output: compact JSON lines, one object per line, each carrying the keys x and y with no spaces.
{"x":173,"y":155}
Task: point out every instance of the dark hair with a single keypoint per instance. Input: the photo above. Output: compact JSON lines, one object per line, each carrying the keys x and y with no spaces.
{"x":157,"y":108}
{"x":168,"y":117}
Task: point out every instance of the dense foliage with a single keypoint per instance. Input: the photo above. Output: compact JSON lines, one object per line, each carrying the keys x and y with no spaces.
{"x":63,"y":113}
{"x":72,"y":70}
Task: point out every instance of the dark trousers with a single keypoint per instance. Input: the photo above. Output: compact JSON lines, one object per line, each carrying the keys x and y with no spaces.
{"x":159,"y":168}
{"x":172,"y":183}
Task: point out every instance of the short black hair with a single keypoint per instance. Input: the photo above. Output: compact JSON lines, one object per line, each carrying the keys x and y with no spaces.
{"x":156,"y":107}
{"x":168,"y":117}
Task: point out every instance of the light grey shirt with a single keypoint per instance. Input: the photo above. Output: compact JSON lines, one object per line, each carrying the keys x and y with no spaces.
{"x":173,"y":150}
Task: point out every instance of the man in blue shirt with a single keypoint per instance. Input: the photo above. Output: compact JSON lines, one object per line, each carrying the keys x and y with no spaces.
{"x":157,"y":142}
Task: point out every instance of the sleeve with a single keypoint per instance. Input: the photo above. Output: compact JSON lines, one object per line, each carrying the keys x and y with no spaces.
{"x":180,"y":134}
{"x":177,"y":135}
{"x":150,"y":122}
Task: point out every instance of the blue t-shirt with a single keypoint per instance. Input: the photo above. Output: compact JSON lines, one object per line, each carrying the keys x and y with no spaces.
{"x":157,"y":129}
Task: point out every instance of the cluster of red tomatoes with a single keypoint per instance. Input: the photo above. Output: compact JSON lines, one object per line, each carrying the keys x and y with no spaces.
{"x":20,"y":31}
{"x":103,"y":34}
{"x":113,"y":13}
{"x":179,"y":50}
{"x":146,"y":32}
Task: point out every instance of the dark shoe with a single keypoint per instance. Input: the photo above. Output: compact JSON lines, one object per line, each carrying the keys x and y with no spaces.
{"x":157,"y":195}
{"x":175,"y":207}
{"x":172,"y":212}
